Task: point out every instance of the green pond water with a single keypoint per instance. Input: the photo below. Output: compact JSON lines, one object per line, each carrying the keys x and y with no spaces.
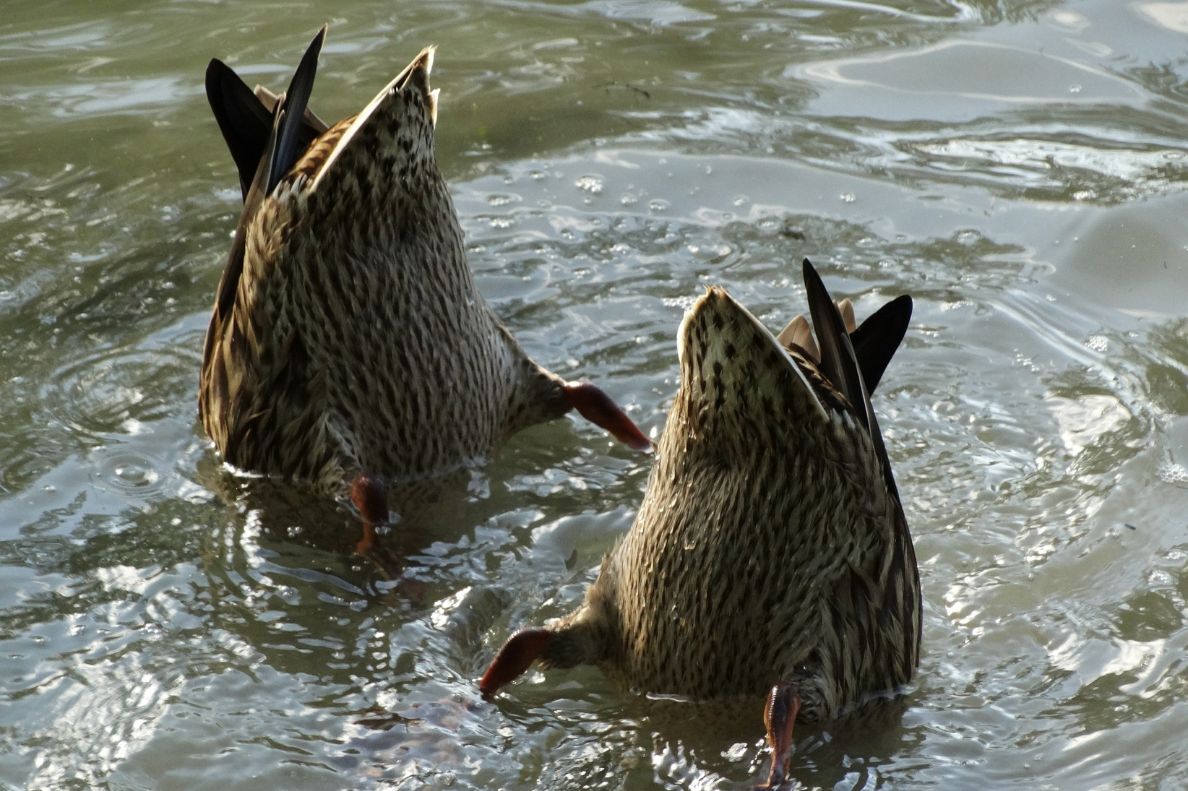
{"x":1019,"y":167}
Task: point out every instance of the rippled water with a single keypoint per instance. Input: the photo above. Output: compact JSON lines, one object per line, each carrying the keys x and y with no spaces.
{"x":1018,"y":167}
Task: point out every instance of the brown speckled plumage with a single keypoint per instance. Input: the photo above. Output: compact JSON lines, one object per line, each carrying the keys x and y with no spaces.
{"x":771,"y":546}
{"x":348,"y":335}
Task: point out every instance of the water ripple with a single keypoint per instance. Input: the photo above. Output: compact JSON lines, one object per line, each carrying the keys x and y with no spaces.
{"x":1015,"y":166}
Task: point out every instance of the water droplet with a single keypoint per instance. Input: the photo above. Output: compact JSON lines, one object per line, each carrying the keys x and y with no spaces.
{"x":1171,"y":472}
{"x":589,"y":184}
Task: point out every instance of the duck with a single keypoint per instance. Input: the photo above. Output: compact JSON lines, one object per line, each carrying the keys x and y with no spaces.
{"x":770,"y":555}
{"x":348,"y":346}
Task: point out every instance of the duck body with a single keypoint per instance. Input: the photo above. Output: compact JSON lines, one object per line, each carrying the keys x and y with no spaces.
{"x":348,"y":337}
{"x":761,"y":551}
{"x":770,"y":551}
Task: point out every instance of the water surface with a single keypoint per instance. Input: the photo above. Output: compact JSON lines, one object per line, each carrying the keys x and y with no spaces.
{"x":1018,"y":167}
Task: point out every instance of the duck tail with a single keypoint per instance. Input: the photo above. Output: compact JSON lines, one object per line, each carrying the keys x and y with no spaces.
{"x":840,"y":361}
{"x":245,"y":116}
{"x":284,"y":143}
{"x":876,"y":339}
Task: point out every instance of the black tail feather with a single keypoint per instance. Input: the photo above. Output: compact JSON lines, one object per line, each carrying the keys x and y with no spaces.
{"x":840,"y":363}
{"x":245,"y":119}
{"x":877,"y":338}
{"x":277,"y":155}
{"x":838,"y":360}
{"x":289,"y":113}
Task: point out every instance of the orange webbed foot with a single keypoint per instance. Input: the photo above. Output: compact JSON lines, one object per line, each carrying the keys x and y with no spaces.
{"x":517,"y":655}
{"x":371,"y":498}
{"x":597,"y":407}
{"x":779,"y":715}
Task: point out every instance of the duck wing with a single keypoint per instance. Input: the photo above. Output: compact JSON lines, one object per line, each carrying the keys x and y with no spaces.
{"x":282,"y":148}
{"x":285,"y":139}
{"x":840,"y":363}
{"x":874,"y":341}
{"x":893,"y":599}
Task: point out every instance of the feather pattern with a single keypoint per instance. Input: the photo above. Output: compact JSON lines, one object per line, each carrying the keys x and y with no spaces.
{"x":771,"y":544}
{"x":348,"y":335}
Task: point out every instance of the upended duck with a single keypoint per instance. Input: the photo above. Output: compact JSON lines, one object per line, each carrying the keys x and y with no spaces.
{"x":348,"y":344}
{"x":770,"y":553}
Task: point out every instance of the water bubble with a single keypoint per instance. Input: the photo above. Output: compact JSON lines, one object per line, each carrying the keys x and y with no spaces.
{"x":683,"y":302}
{"x":1171,"y":472}
{"x":589,"y":184}
{"x":1070,"y":20}
{"x":127,"y":471}
{"x":135,"y":476}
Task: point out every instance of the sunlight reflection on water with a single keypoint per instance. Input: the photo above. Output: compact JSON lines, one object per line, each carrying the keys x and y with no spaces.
{"x":1015,"y":166}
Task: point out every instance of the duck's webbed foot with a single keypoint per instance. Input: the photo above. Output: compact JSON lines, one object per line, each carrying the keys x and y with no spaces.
{"x":779,"y":715}
{"x":371,"y":498}
{"x":597,"y":407}
{"x":517,"y":655}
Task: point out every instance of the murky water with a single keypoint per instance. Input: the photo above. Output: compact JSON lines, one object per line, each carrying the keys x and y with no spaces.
{"x":1018,"y":167}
